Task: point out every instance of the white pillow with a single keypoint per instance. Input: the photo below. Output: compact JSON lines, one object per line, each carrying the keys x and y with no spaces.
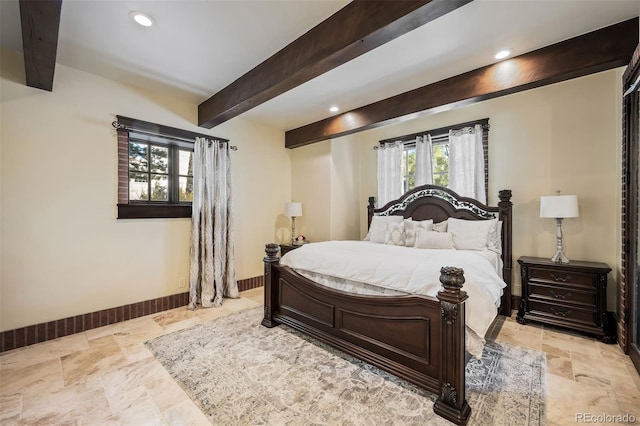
{"x":434,"y":240}
{"x":411,"y":228}
{"x":395,"y":234}
{"x":440,"y":226}
{"x":378,"y":227}
{"x":470,"y":234}
{"x":495,"y":238}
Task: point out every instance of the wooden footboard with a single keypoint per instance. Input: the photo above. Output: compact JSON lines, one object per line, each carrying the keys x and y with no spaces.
{"x":418,"y":338}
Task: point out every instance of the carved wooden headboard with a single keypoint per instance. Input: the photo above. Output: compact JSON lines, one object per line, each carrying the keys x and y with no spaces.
{"x":440,"y":203}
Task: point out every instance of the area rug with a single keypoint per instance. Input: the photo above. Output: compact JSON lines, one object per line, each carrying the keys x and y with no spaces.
{"x":241,"y":373}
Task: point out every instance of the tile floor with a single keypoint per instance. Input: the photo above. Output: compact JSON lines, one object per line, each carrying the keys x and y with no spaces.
{"x":107,"y":376}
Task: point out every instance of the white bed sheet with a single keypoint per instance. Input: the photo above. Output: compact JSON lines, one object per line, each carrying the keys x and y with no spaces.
{"x":362,"y":267}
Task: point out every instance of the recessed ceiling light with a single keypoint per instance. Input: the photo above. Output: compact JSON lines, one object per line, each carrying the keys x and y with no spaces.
{"x":502,"y":54}
{"x":142,"y":19}
{"x":334,"y":109}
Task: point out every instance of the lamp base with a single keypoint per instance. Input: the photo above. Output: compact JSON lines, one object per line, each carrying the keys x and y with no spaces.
{"x":293,"y":230}
{"x":559,"y":257}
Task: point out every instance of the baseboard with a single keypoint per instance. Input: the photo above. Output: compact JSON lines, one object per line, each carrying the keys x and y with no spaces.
{"x":515,"y":302}
{"x":249,"y":283}
{"x":31,"y":334}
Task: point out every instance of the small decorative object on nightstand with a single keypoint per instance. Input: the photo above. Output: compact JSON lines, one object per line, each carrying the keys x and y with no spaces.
{"x":572,"y":295}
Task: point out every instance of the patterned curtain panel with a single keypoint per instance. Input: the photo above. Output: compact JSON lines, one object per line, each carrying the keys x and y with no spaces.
{"x":466,"y":162}
{"x":389,"y":172}
{"x":424,"y":163}
{"x":212,"y":262}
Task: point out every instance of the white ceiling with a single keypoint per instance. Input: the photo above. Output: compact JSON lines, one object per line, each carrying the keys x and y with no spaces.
{"x":198,"y":47}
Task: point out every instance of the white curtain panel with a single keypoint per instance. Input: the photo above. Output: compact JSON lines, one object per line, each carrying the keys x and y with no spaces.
{"x":466,"y":162}
{"x":389,"y":172}
{"x":212,"y":273}
{"x":424,"y":162}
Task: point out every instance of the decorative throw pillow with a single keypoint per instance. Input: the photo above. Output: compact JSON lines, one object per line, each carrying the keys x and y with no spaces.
{"x":470,"y":234}
{"x":411,"y":228}
{"x":378,"y":227}
{"x":440,"y":226}
{"x":495,"y":238}
{"x":434,"y":240}
{"x":395,"y":234}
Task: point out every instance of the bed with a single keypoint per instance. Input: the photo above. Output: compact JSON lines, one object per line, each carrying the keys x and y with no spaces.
{"x":416,"y":337}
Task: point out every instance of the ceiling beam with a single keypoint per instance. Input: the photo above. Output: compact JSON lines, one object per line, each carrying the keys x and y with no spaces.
{"x":355,"y":29}
{"x":40,"y":21}
{"x":593,"y":52}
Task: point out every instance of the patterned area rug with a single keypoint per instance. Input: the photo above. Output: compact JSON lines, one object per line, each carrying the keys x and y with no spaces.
{"x":241,"y":373}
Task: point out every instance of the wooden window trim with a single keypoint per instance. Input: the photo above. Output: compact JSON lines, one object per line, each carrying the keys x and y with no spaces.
{"x":147,"y":211}
{"x":630,"y":207}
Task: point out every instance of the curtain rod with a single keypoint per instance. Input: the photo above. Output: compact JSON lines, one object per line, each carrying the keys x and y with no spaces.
{"x":120,"y":126}
{"x":484,"y":122}
{"x":439,"y":141}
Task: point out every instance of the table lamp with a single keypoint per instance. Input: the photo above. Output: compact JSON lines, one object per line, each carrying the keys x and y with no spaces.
{"x":559,"y":207}
{"x":293,"y":210}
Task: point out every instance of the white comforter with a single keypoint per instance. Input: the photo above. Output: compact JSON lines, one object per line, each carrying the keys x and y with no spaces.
{"x":407,"y":270}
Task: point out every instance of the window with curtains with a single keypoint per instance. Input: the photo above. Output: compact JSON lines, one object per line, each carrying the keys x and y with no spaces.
{"x":155,"y":169}
{"x":436,"y":165}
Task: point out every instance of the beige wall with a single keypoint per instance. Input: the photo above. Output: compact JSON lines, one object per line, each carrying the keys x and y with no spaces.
{"x":64,"y":252}
{"x":345,"y":187}
{"x":311,"y":185}
{"x":564,"y":136}
{"x":326,"y":180}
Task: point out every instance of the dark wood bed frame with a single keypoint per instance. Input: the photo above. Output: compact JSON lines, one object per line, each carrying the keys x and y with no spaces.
{"x":420,"y":339}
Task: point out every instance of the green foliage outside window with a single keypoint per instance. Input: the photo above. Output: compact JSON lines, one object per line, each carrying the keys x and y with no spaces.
{"x":185,"y":180}
{"x":440,"y":166}
{"x":409,"y":169}
{"x":149,"y":173}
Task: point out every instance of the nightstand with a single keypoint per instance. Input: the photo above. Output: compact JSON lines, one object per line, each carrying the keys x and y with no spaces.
{"x":571,"y":295}
{"x":286,"y":248}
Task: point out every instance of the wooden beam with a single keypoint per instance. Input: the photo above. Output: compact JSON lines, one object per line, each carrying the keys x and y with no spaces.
{"x":593,"y":52}
{"x":40,"y":21}
{"x":355,"y":29}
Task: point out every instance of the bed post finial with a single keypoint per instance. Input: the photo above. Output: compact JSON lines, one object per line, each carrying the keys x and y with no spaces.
{"x":504,"y":195}
{"x":271,"y":250}
{"x":270,"y":259}
{"x":452,"y":403}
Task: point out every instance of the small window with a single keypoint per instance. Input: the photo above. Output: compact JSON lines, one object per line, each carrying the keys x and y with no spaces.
{"x":409,"y":168}
{"x":440,"y":159}
{"x":159,"y":173}
{"x":155,"y":170}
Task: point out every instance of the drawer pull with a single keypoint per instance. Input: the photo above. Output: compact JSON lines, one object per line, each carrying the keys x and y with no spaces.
{"x":560,"y":278}
{"x":561,"y":295}
{"x":562,"y":314}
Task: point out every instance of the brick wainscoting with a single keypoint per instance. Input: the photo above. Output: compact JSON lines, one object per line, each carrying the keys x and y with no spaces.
{"x":29,"y":335}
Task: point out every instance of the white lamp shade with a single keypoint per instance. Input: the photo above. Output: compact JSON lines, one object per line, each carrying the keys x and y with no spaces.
{"x":293,"y":209}
{"x":559,"y":206}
